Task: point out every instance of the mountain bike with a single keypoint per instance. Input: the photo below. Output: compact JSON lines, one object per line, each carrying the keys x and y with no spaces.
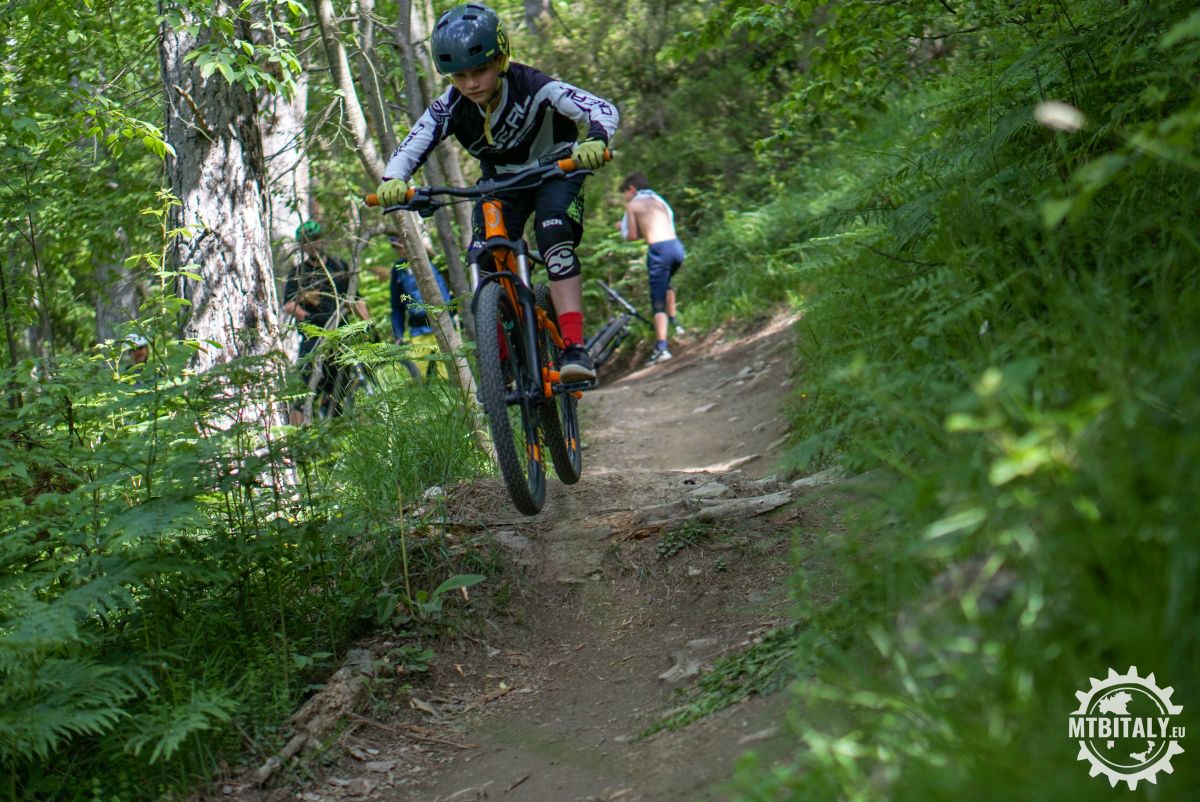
{"x":517,"y":342}
{"x":340,"y":395}
{"x":604,"y":342}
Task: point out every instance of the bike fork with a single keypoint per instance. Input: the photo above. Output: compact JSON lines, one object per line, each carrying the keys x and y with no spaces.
{"x":529,"y":329}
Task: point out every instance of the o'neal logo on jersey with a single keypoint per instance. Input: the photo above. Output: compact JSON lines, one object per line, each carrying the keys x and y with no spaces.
{"x":587,"y":103}
{"x":514,"y":123}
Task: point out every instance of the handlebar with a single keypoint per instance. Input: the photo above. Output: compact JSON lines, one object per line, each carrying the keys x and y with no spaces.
{"x":420,"y":198}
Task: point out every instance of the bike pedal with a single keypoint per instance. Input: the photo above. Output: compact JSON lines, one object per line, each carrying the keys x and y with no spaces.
{"x":577,"y":387}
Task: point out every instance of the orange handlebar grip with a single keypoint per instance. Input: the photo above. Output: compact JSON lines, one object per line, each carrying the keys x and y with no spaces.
{"x":568,"y":164}
{"x":373,"y":199}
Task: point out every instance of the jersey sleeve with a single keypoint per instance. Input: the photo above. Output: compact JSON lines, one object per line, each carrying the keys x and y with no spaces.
{"x":600,"y":115}
{"x":432,"y":127}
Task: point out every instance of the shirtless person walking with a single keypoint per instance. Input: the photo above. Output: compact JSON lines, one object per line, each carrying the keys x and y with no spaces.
{"x":649,"y":217}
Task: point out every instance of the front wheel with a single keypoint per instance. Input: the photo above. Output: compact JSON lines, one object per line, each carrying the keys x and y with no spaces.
{"x":509,"y":398}
{"x":560,"y":418}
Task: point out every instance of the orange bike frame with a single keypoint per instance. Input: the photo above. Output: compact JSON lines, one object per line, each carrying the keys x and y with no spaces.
{"x":493,"y":226}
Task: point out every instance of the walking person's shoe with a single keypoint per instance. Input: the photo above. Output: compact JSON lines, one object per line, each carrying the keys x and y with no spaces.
{"x":575,"y":365}
{"x":659,"y":355}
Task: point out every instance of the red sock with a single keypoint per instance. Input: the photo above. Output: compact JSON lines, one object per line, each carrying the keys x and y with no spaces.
{"x":570,"y":325}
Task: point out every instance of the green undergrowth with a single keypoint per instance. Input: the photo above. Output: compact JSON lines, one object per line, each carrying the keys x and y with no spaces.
{"x":176,"y":575}
{"x":762,"y":667}
{"x":688,"y":535}
{"x":1000,"y":326}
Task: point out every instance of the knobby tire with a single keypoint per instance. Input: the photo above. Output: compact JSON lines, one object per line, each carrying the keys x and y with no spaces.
{"x":560,"y":418}
{"x":514,"y":427}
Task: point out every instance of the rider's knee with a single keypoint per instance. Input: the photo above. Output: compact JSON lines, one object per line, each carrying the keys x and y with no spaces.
{"x":561,"y":261}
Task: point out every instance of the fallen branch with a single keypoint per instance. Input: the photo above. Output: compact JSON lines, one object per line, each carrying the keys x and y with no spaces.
{"x":322,"y":712}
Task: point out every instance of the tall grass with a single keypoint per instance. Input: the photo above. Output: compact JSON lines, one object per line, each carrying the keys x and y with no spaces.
{"x":1000,"y":326}
{"x":175,"y":572}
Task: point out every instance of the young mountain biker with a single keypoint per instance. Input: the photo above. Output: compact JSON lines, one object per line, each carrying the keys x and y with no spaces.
{"x":649,"y":217}
{"x":510,"y":117}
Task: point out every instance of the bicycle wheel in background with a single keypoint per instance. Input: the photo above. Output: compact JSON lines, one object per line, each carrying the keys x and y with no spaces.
{"x":514,"y":427}
{"x":560,"y":418}
{"x":339,"y":398}
{"x":413,"y":371}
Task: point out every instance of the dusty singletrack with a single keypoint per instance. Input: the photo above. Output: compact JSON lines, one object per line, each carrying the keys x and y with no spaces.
{"x":603,"y":622}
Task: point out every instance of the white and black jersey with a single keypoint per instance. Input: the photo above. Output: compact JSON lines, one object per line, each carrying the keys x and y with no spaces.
{"x":535,"y":122}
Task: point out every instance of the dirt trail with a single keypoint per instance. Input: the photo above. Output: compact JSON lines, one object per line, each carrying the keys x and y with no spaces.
{"x":548,"y":701}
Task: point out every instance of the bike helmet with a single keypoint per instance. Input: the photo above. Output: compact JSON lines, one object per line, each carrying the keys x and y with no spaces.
{"x":309,"y":231}
{"x":466,"y":37}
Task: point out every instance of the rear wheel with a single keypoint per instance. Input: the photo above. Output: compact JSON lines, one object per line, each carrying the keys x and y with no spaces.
{"x":605,"y":341}
{"x":504,"y":377}
{"x":560,"y":418}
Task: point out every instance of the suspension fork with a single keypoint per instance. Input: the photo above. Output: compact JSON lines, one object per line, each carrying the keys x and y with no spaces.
{"x":511,"y":259}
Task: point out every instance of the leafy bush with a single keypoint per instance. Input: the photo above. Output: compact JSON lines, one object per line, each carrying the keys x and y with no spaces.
{"x":175,"y":570}
{"x":999,"y":326}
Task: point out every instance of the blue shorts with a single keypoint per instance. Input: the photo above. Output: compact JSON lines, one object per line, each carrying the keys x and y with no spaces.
{"x":662,"y":260}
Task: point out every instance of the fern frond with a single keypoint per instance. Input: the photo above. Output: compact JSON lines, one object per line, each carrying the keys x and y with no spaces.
{"x":46,"y":705}
{"x":165,"y":728}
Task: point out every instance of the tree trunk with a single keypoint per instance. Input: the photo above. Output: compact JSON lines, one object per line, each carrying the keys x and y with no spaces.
{"x":217,"y":174}
{"x":449,"y":154}
{"x":116,"y":291}
{"x":285,"y":148}
{"x":537,"y":12}
{"x":408,"y":32}
{"x":369,"y":77}
{"x":289,"y":175}
{"x":443,"y":328}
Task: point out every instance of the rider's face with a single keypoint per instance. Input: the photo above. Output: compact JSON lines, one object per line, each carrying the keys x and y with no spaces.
{"x":479,"y":83}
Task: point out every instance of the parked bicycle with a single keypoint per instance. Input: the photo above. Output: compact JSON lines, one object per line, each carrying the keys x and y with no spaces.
{"x":517,"y":342}
{"x":608,"y":337}
{"x":339,"y":396}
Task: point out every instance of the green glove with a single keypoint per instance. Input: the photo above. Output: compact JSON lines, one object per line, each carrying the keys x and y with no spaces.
{"x":589,"y":154}
{"x":393,"y":192}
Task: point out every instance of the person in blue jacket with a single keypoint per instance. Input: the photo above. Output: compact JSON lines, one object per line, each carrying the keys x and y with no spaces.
{"x":409,"y":313}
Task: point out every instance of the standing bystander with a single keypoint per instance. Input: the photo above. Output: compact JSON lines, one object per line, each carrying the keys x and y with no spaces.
{"x":409,"y":311}
{"x":649,"y":217}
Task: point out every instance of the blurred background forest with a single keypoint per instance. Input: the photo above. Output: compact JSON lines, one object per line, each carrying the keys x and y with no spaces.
{"x":1000,"y":305}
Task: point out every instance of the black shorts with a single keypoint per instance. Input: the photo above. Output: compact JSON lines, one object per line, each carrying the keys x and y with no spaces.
{"x":557,"y":206}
